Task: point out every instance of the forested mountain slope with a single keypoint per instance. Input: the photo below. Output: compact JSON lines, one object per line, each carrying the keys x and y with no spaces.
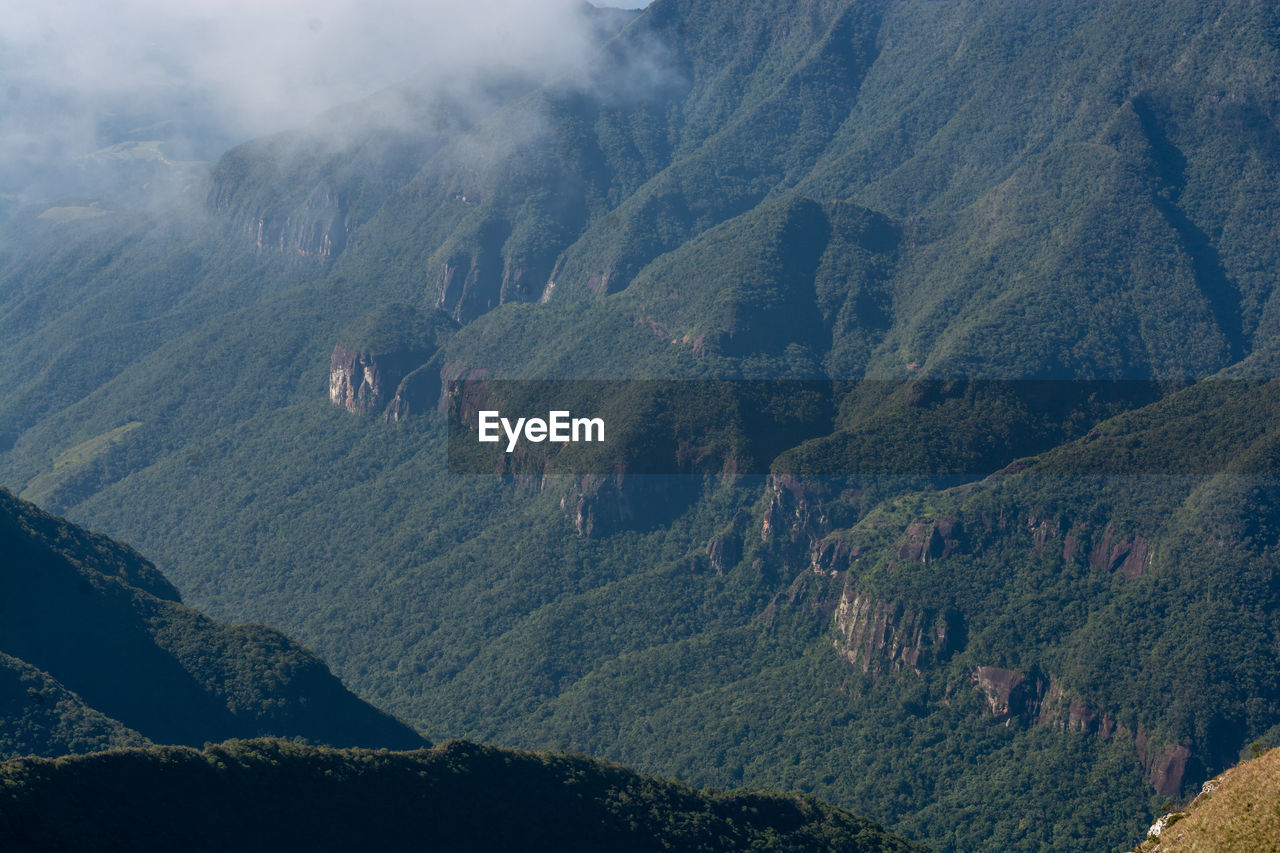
{"x":271,"y":795}
{"x":937,"y":201}
{"x":97,"y":650}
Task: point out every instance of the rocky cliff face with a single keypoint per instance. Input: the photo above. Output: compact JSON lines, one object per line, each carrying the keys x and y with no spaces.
{"x":1009,"y":693}
{"x":599,"y":505}
{"x":1035,"y":699}
{"x":468,"y":287}
{"x":796,"y":513}
{"x":317,"y":228}
{"x":1127,"y":556}
{"x":926,"y":541}
{"x":367,"y":384}
{"x":878,"y":636}
{"x":355,"y":381}
{"x":417,"y":393}
{"x":1165,"y":764}
{"x":385,"y":363}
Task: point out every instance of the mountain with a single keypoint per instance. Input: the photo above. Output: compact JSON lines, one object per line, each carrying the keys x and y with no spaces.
{"x":270,"y":794}
{"x":97,"y":651}
{"x":1234,"y":811}
{"x":1025,"y":250}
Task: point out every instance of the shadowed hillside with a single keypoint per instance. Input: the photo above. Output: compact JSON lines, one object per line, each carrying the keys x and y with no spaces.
{"x":97,"y":651}
{"x":271,"y":795}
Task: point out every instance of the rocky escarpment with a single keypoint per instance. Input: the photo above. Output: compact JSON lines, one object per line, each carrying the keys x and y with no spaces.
{"x":599,"y":504}
{"x":470,"y":287}
{"x":384,"y":364}
{"x":482,"y":271}
{"x":926,"y":541}
{"x":317,"y":227}
{"x":1035,"y":699}
{"x":879,"y":636}
{"x":368,"y":384}
{"x":1165,"y":765}
{"x":795,"y":511}
{"x":417,"y":393}
{"x":1107,"y":551}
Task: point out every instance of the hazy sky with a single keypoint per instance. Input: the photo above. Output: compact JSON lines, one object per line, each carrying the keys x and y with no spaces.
{"x":76,"y":74}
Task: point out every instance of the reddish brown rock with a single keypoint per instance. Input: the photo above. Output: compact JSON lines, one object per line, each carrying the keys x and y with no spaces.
{"x":1136,"y":559}
{"x":1070,"y":544}
{"x":1041,"y":534}
{"x":926,"y":541}
{"x":1129,"y":557}
{"x":1165,"y":767}
{"x":1001,"y":687}
{"x":834,"y":554}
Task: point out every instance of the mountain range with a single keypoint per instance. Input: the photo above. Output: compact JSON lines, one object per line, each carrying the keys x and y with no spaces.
{"x":1009,"y":587}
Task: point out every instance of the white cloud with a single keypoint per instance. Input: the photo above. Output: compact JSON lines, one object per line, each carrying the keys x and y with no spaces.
{"x":76,"y":75}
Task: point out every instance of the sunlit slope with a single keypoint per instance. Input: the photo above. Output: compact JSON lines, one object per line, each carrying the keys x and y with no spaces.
{"x":1237,"y":811}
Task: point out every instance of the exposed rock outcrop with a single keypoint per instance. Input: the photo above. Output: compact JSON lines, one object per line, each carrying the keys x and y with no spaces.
{"x":417,"y":393}
{"x":724,"y":551}
{"x":1165,"y":766}
{"x":834,"y":554}
{"x":1037,"y":699}
{"x":1058,"y":708}
{"x":1009,"y":693}
{"x":365,"y":384}
{"x":795,"y":511}
{"x":355,"y":381}
{"x":926,"y":541}
{"x":1034,"y":699}
{"x":600,"y":505}
{"x":385,"y":362}
{"x":317,"y":228}
{"x":1127,"y":556}
{"x":878,"y":636}
{"x":1109,"y":552}
{"x":467,"y":289}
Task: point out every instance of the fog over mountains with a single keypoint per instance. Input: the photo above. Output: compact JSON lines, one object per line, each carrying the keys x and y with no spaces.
{"x":101,"y":96}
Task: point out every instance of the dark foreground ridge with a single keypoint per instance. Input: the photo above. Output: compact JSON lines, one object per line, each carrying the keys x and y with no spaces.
{"x":276,"y":795}
{"x":97,"y":651}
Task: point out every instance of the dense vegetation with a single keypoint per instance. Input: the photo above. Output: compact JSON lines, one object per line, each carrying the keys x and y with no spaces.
{"x":273,"y":795}
{"x":927,"y":195}
{"x":96,"y":650}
